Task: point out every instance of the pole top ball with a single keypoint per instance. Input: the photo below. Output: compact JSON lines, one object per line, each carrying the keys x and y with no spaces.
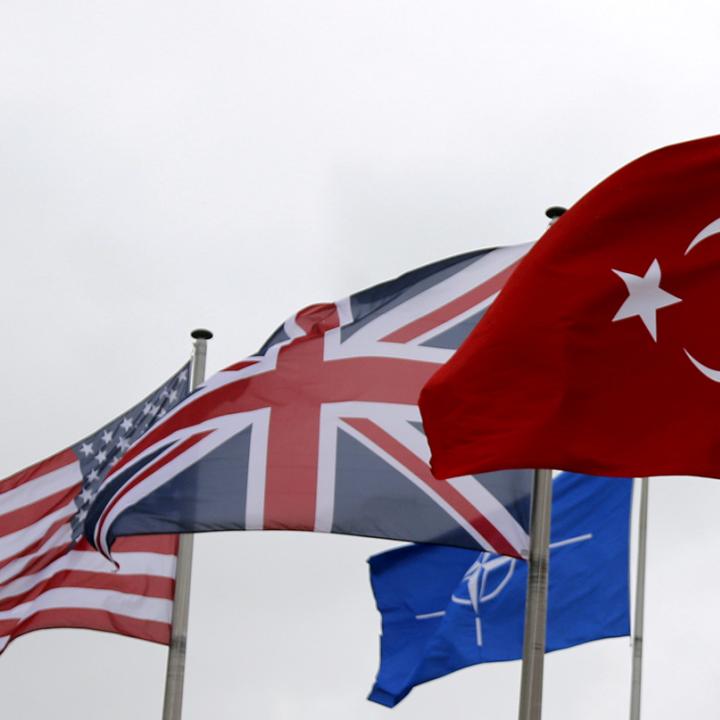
{"x":555,"y":212}
{"x":201,"y":334}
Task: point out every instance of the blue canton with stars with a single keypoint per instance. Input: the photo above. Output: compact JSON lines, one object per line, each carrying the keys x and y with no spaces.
{"x":98,"y":452}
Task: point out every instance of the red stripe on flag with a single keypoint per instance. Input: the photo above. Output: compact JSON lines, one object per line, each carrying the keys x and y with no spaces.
{"x":29,"y":514}
{"x":294,"y":430}
{"x":66,"y":457}
{"x":291,"y":475}
{"x":448,"y":312}
{"x":163,"y":544}
{"x":240,"y":365}
{"x":88,"y":619}
{"x":145,"y":585}
{"x":41,"y":560}
{"x":39,"y":563}
{"x":447,"y":492}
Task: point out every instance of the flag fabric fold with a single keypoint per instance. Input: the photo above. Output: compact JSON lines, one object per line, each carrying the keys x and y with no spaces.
{"x":50,"y":577}
{"x":445,"y":608}
{"x":600,"y":355}
{"x":320,"y":430}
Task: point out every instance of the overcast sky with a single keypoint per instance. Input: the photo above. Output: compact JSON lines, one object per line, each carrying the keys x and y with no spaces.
{"x":166,"y":165}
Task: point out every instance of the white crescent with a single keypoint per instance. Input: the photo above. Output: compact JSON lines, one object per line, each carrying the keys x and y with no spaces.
{"x":709,"y":230}
{"x":712,"y":229}
{"x":708,"y":372}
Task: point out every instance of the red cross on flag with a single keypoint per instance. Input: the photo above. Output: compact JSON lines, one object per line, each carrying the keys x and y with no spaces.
{"x":602,"y":354}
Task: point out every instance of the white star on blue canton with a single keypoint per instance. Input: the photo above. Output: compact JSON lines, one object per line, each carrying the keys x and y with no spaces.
{"x":123,"y":444}
{"x":172,"y":396}
{"x":106,"y":437}
{"x":101,"y":457}
{"x":126,"y":424}
{"x":85,"y":496}
{"x":86,"y":449}
{"x":93,"y":475}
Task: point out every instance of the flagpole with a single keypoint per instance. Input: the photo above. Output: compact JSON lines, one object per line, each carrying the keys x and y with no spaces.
{"x":536,"y":599}
{"x":175,"y":674}
{"x":537,"y":586}
{"x":637,"y":641}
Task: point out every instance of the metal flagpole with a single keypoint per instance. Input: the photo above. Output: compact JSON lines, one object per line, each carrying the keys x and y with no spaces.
{"x":637,"y":641}
{"x":536,"y":599}
{"x":537,"y":586}
{"x":175,"y":675}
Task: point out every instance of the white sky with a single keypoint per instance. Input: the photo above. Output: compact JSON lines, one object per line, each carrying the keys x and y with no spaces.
{"x":165,"y":166}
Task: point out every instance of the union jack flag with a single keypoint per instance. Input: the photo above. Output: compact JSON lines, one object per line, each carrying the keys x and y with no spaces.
{"x":320,"y":430}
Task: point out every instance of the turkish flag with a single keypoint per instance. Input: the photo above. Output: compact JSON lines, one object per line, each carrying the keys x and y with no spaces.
{"x":602,"y":353}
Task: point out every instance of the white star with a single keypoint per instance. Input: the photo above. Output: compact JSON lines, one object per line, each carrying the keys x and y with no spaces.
{"x":86,"y":495}
{"x":86,"y":449}
{"x":172,"y":396}
{"x":645,"y":297}
{"x":126,"y":424}
{"x":106,"y":437}
{"x":149,"y":409}
{"x":123,"y":444}
{"x":101,"y":457}
{"x":93,"y":475}
{"x":182,"y":377}
{"x":81,"y":515}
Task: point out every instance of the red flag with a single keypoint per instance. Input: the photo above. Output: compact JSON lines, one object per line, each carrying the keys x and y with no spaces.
{"x":602,"y":353}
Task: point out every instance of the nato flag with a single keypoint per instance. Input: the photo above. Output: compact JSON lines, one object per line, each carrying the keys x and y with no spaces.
{"x":446,"y":608}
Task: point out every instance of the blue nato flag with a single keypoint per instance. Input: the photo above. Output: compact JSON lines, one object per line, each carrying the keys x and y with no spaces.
{"x":445,"y":608}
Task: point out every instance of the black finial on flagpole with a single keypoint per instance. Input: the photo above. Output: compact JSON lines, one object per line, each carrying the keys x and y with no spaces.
{"x":201,"y":334}
{"x":555,"y":212}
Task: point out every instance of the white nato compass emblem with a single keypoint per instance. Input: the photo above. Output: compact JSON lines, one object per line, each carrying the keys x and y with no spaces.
{"x":646,"y":297}
{"x":486,"y":579}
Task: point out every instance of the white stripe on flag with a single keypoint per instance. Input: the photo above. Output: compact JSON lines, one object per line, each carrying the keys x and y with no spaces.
{"x":131,"y":563}
{"x":16,"y":542}
{"x":139,"y":607}
{"x":39,"y":488}
{"x":486,"y":503}
{"x":62,"y":536}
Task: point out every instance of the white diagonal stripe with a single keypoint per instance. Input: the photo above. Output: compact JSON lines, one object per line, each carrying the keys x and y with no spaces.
{"x":396,"y":421}
{"x":495,"y":512}
{"x":482,"y":269}
{"x":441,"y":502}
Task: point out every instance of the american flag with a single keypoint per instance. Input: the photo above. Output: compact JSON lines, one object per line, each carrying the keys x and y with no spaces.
{"x":320,"y":430}
{"x":50,"y":576}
